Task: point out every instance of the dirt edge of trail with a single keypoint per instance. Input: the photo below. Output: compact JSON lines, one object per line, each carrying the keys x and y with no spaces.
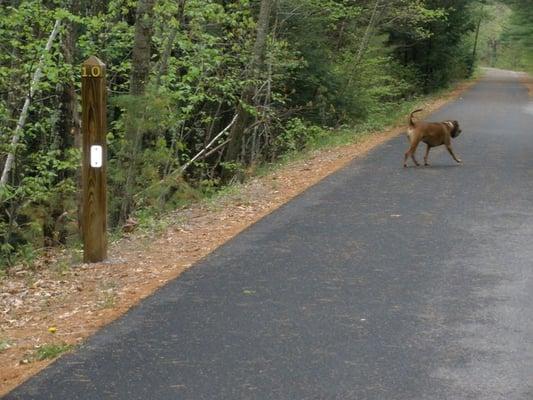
{"x":58,"y":306}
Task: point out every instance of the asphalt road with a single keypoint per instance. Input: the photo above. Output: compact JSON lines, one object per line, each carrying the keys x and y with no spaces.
{"x":378,"y":283}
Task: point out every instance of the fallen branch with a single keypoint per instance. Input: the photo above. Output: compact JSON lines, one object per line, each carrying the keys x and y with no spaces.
{"x":24,"y":113}
{"x":179,"y":171}
{"x":188,"y":163}
{"x":217,"y":148}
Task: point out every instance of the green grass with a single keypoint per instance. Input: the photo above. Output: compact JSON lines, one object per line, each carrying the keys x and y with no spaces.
{"x":50,"y":351}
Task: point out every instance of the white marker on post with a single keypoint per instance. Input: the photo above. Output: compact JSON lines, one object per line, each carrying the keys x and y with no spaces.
{"x":96,"y":156}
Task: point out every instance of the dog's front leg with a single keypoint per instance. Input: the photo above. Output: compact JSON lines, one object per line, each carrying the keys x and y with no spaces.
{"x":414,"y":159}
{"x":449,"y":148}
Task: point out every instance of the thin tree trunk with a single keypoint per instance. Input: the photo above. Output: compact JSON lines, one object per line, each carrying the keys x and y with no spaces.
{"x":142,"y":47}
{"x":365,"y":40}
{"x":163,"y":64}
{"x":140,"y":75}
{"x":71,"y":119}
{"x":368,"y":33}
{"x":241,"y":123}
{"x":494,"y":52}
{"x":472,"y":63}
{"x":24,"y":113}
{"x":68,"y":137}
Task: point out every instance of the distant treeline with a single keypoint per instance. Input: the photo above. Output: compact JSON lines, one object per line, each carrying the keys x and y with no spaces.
{"x":202,"y":90}
{"x":506,"y":34}
{"x":516,"y":40}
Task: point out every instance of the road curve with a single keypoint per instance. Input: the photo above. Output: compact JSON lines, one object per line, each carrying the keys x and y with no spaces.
{"x":378,"y":283}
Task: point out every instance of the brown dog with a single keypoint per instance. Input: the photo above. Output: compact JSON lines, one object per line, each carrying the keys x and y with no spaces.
{"x":432,"y":134}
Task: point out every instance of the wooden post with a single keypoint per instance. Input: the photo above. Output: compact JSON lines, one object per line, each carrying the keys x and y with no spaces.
{"x":94,"y":165}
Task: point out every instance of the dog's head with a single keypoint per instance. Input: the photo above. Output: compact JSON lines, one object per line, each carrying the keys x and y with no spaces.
{"x":456,"y":130}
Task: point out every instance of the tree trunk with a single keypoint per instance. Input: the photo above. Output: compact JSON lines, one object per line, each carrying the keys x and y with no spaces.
{"x":163,"y":63}
{"x":239,"y":127}
{"x":69,"y":136}
{"x":474,"y":50}
{"x":368,"y":33}
{"x":142,"y":47}
{"x":494,"y":52}
{"x":71,"y":116}
{"x":140,"y":74}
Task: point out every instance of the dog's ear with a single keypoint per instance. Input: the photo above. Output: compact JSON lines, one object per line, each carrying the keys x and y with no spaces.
{"x":456,"y":129}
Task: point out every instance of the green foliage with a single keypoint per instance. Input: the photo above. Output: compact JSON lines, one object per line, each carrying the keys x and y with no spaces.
{"x":296,"y":136}
{"x":513,"y":49}
{"x":327,"y":63}
{"x":441,"y":54}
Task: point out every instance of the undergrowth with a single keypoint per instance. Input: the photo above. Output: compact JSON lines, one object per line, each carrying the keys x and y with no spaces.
{"x":152,"y":220}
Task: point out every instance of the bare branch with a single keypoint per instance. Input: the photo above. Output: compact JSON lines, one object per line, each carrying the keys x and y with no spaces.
{"x":24,"y":113}
{"x":186,"y":165}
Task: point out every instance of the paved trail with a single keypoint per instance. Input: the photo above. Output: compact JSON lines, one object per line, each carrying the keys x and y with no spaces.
{"x":378,"y":283}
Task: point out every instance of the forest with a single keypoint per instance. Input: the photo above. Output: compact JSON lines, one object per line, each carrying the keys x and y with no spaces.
{"x":201,"y":93}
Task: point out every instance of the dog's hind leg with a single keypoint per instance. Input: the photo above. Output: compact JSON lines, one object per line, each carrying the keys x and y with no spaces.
{"x":406,"y":155}
{"x":449,"y":148}
{"x":411,"y":153}
{"x":426,"y":155}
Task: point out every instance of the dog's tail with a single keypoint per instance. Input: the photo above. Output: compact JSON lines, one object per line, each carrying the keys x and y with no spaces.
{"x":411,"y":123}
